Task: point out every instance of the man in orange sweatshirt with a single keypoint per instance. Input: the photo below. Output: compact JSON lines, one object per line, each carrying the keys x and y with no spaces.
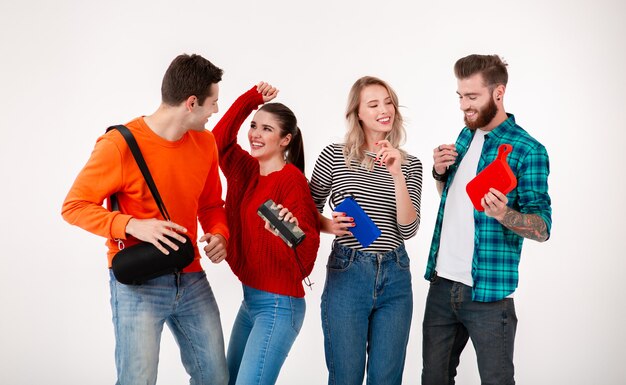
{"x":183,"y":160}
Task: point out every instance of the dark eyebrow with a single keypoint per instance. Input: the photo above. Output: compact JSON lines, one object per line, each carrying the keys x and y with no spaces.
{"x":468,"y":94}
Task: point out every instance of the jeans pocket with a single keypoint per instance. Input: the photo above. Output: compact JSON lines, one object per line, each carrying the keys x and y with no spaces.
{"x":338,"y":262}
{"x":403,"y":261}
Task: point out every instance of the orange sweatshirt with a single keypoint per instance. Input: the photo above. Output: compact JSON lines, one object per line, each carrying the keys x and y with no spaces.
{"x":185,"y":173}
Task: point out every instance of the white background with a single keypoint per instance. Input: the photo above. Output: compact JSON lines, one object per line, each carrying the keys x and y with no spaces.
{"x":71,"y":68}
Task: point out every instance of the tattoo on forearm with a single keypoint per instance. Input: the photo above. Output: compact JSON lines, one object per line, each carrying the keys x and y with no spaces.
{"x":529,"y":226}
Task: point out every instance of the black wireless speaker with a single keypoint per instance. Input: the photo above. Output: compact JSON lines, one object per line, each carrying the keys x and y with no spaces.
{"x":289,"y":232}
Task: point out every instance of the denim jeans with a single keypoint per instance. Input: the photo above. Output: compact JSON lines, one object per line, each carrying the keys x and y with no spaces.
{"x":367,"y":307}
{"x":186,"y":304}
{"x":450,"y":318}
{"x":264,"y":331}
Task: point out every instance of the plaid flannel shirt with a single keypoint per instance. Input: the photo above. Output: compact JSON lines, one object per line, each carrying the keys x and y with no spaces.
{"x":497,"y":249}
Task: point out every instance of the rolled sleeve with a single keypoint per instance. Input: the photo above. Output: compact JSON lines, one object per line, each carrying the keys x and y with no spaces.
{"x":532,"y":185}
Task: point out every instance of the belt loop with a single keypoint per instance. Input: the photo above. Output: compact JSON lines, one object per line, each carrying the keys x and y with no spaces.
{"x":352,"y":254}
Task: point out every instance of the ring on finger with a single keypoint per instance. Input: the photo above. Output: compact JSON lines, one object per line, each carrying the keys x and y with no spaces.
{"x":439,"y":148}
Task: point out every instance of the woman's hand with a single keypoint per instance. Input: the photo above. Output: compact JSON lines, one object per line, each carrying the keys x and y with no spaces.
{"x":389,"y":156}
{"x":341,"y":223}
{"x":267,"y":90}
{"x":285,"y":215}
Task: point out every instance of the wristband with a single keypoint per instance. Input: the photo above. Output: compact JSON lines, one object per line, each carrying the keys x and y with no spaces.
{"x":440,"y":177}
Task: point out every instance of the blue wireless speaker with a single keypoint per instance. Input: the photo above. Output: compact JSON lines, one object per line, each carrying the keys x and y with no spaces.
{"x":365,"y":230}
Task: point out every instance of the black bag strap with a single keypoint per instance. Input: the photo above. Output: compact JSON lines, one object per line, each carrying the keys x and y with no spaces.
{"x":134,"y":149}
{"x":336,"y":195}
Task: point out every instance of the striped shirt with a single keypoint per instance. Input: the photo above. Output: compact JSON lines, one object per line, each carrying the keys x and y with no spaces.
{"x":497,"y":249}
{"x":374,"y":192}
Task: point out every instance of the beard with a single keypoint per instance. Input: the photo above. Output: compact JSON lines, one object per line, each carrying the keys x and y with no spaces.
{"x":483,"y":117}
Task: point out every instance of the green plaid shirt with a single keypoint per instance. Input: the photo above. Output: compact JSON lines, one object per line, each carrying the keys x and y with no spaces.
{"x":497,"y":249}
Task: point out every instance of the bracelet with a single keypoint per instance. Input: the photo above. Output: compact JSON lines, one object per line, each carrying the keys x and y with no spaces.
{"x":440,"y":177}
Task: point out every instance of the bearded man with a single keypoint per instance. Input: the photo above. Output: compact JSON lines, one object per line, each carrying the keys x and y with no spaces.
{"x":474,"y":255}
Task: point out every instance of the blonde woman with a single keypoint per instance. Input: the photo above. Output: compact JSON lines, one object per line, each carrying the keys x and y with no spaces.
{"x":367,"y":301}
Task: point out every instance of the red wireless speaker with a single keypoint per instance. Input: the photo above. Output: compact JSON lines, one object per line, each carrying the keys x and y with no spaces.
{"x":498,"y":175}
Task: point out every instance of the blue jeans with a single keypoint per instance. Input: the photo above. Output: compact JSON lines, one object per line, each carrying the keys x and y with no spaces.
{"x":186,"y":304}
{"x":367,"y":307}
{"x":450,"y":318}
{"x":263,"y":333}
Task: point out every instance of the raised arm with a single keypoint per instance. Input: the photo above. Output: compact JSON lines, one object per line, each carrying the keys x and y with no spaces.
{"x":407,"y":188}
{"x":226,"y":130}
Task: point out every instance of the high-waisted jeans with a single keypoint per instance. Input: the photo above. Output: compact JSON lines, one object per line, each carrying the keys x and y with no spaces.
{"x":367,"y":307}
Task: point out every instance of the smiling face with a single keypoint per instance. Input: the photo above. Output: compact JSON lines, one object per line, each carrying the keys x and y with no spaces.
{"x":265,"y":138}
{"x":376,"y":110}
{"x":477,"y":102}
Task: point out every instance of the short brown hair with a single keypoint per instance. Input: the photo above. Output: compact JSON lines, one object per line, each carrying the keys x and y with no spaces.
{"x":189,"y":75}
{"x":491,"y":67}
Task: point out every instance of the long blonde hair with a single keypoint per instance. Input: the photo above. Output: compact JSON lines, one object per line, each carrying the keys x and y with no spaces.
{"x":355,"y":137}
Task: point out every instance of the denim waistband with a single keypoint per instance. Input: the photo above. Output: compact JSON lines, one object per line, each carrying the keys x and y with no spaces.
{"x":347,"y":252}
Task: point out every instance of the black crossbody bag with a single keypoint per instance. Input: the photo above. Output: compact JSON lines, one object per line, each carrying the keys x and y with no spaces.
{"x":136,"y":264}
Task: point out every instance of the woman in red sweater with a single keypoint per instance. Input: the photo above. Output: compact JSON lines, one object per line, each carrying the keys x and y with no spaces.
{"x":271,"y":272}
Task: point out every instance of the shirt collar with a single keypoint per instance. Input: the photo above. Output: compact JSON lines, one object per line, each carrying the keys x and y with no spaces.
{"x":503,"y":127}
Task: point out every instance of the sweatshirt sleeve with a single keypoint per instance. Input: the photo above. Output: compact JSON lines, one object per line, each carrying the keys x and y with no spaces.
{"x":101,"y":177}
{"x":225,"y":132}
{"x":211,"y":212}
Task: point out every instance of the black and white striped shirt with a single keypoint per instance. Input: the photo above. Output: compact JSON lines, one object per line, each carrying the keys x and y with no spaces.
{"x":374,"y":192}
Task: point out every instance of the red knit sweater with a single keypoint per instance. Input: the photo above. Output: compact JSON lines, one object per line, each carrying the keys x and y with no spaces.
{"x":260,"y":259}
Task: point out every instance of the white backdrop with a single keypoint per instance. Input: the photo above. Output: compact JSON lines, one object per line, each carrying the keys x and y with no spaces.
{"x":71,"y":68}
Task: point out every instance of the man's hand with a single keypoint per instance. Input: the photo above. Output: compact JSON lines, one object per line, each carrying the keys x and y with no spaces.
{"x":154,"y":231}
{"x":267,"y":91}
{"x":494,"y":203}
{"x":215,"y":249}
{"x":444,"y":157}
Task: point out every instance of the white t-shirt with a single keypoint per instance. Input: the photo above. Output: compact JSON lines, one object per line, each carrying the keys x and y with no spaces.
{"x":456,"y":248}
